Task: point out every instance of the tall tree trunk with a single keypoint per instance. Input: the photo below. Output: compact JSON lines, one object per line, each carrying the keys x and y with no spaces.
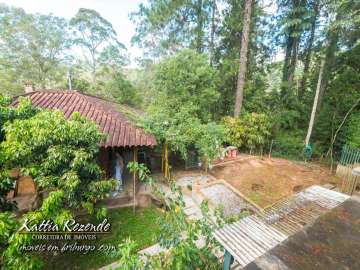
{"x":199,"y":27}
{"x":292,"y":48}
{"x":212,"y":33}
{"x":243,"y":58}
{"x":93,"y":66}
{"x":309,"y":50}
{"x":316,"y":101}
{"x":293,"y":63}
{"x":286,"y":67}
{"x":329,"y":59}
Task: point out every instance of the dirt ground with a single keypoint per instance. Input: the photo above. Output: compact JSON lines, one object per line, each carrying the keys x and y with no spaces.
{"x":266,"y":181}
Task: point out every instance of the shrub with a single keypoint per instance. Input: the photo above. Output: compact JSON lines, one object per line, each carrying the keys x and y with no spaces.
{"x":289,"y":145}
{"x":353,"y":131}
{"x":249,"y":131}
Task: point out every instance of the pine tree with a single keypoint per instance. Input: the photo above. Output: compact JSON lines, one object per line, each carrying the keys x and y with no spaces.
{"x":243,"y":58}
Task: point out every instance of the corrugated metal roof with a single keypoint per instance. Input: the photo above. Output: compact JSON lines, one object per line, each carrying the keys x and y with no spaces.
{"x":121,"y":131}
{"x":332,"y":242}
{"x":251,"y":237}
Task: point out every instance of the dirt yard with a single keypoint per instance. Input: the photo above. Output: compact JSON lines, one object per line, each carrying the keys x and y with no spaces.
{"x":266,"y":181}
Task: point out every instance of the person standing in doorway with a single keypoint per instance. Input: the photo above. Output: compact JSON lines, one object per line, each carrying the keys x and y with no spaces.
{"x":119,"y":170}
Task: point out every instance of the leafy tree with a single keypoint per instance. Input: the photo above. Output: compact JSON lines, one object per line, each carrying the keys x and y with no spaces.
{"x":243,"y":58}
{"x":80,"y":84}
{"x":112,"y":58}
{"x":93,"y":32}
{"x":339,"y":103}
{"x":353,"y":138}
{"x":142,"y":79}
{"x":294,"y":20}
{"x":121,"y":90}
{"x":8,"y":114}
{"x":185,"y":85}
{"x":227,"y":55}
{"x":209,"y":140}
{"x":187,"y":79}
{"x":59,"y":155}
{"x":32,"y":47}
{"x":165,"y":27}
{"x":315,"y":12}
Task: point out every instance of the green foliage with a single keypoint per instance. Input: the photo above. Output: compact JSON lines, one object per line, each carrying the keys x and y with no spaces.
{"x":13,"y":258}
{"x":79,"y":84}
{"x":180,"y":236}
{"x":187,"y":80}
{"x":129,"y":260}
{"x":232,"y":218}
{"x":289,"y":145}
{"x":8,"y":114}
{"x":249,"y":131}
{"x":32,"y":48}
{"x":342,"y":92}
{"x":118,"y":89}
{"x":6,"y":185}
{"x":227,"y":56}
{"x":175,"y":24}
{"x":209,"y":140}
{"x":112,"y":57}
{"x":22,"y":111}
{"x":181,"y":113}
{"x":8,"y":226}
{"x":94,"y":32}
{"x":133,"y":231}
{"x":59,"y":155}
{"x":142,"y":171}
{"x":353,"y":131}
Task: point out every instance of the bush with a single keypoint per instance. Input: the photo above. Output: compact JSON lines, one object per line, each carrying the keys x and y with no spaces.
{"x":353,"y":131}
{"x":60,"y":155}
{"x":250,"y":131}
{"x":288,"y":145}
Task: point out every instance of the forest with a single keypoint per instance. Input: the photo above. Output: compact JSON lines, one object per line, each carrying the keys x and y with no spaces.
{"x":254,"y":74}
{"x":278,"y":78}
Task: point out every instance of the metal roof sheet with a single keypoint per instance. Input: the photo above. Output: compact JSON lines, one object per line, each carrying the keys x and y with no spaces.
{"x":251,"y":237}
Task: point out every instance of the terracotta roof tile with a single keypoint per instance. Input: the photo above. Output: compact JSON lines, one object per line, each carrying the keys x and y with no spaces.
{"x":119,"y":129}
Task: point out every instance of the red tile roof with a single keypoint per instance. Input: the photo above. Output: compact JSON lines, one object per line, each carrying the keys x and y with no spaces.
{"x":121,"y":131}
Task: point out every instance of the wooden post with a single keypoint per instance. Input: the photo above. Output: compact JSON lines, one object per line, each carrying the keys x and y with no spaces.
{"x":206,"y":161}
{"x":163,"y":159}
{"x":135,"y":152}
{"x":228,"y":260}
{"x":165,"y":162}
{"x":271,"y":146}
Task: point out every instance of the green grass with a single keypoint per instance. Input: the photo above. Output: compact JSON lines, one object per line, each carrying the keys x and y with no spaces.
{"x":141,"y":227}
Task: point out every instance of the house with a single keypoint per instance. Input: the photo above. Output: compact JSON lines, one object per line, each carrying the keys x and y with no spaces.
{"x":114,"y":120}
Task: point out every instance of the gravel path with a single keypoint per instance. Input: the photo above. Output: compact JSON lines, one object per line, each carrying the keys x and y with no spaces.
{"x":219,"y":194}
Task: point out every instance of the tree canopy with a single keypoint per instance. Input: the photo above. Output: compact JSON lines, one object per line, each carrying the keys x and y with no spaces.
{"x":60,"y":155}
{"x":183,"y":109}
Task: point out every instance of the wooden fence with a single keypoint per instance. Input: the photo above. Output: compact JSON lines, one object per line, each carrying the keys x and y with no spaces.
{"x":350,"y":159}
